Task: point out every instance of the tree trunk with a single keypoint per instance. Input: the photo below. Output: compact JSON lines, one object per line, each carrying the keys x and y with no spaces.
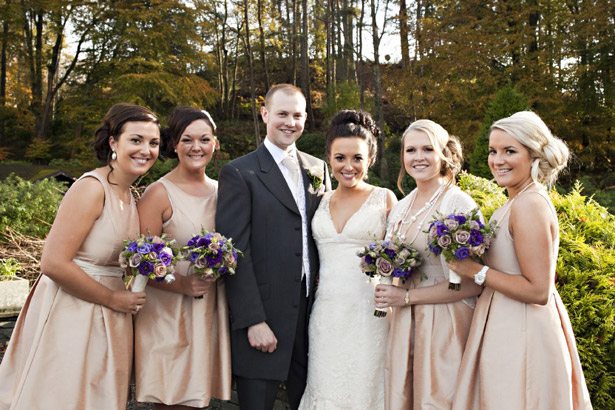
{"x":360,"y":65}
{"x":384,"y":169}
{"x":262,"y":43}
{"x":403,"y":33}
{"x":296,"y":21}
{"x":5,"y":35}
{"x":305,"y":66}
{"x":257,"y":136}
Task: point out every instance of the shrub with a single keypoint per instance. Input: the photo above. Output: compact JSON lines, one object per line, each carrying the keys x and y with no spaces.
{"x":29,"y":207}
{"x":9,"y":268}
{"x":585,"y":278}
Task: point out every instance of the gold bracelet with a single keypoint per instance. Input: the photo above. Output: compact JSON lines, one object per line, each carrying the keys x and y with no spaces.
{"x":407,"y":298}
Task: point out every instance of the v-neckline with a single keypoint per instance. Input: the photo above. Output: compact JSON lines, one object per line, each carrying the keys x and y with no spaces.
{"x":351,"y":216}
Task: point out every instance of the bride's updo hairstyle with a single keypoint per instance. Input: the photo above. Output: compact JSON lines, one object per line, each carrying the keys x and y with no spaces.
{"x":446,"y":146}
{"x":179,"y":120}
{"x":354,"y":124}
{"x":113,"y":125}
{"x":550,"y":154}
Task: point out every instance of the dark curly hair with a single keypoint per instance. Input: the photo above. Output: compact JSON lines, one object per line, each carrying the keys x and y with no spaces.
{"x":354,"y":123}
{"x":179,"y":120}
{"x":113,"y":125}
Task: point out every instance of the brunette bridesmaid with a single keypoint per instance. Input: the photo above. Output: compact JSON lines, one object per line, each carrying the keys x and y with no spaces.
{"x":521,"y":353}
{"x":429,"y":322}
{"x":182,"y":353}
{"x":72,"y":344}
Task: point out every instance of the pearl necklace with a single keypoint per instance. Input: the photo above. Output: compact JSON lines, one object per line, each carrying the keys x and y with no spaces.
{"x":427,"y":207}
{"x":509,"y":203}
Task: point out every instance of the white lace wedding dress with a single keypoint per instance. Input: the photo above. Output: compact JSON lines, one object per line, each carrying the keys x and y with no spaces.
{"x":346,"y":341}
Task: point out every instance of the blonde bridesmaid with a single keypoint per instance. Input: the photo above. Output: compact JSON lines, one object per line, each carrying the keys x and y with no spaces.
{"x":182,"y":353}
{"x":429,"y":322}
{"x":72,"y":344}
{"x":521,"y":353}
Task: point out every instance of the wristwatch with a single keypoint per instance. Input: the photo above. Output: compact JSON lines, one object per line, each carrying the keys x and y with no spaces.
{"x":480,"y":277}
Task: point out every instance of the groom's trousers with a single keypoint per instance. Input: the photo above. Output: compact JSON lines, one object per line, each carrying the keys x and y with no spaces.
{"x":260,"y":394}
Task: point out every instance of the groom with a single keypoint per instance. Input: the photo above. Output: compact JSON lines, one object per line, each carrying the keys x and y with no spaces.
{"x":266,"y":201}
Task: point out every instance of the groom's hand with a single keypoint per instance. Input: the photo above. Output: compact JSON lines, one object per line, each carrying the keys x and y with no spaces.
{"x":262,"y":338}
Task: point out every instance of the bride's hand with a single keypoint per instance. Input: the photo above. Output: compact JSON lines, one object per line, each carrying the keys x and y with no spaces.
{"x":388,"y":295}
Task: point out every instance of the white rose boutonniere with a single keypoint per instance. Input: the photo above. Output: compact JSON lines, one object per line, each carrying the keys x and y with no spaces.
{"x":316,"y":178}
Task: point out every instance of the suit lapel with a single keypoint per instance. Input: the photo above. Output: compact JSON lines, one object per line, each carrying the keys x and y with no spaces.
{"x":310,"y":197}
{"x":272,"y":178}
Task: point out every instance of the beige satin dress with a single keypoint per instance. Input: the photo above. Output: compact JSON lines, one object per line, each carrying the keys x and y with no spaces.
{"x":519,"y":356}
{"x":67,"y":353}
{"x":426,"y":342}
{"x":182,"y":350}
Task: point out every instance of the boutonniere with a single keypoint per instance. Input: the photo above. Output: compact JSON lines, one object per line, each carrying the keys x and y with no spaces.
{"x":316,"y":176}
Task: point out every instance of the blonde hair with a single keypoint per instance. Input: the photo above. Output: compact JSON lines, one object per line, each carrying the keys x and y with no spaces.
{"x":446,"y":146}
{"x":550,"y":153}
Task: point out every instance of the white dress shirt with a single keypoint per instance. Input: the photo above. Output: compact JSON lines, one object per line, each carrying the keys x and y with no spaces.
{"x":298,"y":193}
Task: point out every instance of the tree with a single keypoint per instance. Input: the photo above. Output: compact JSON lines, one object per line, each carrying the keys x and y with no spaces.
{"x":506,"y":102}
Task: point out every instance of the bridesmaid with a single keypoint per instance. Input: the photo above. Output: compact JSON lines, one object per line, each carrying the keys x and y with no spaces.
{"x":521,"y":352}
{"x":182,"y":356}
{"x":429,"y":322}
{"x":72,"y":344}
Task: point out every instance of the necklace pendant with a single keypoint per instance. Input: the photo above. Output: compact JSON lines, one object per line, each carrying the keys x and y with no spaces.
{"x":413,"y":218}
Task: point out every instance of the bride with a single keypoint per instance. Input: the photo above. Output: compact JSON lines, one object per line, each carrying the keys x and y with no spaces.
{"x":346,"y":341}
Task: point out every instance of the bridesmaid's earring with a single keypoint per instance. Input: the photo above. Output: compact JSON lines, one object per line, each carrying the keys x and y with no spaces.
{"x":113,"y":156}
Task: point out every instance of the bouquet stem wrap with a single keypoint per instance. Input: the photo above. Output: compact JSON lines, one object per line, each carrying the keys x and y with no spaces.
{"x":454,"y":280}
{"x":385,"y":280}
{"x":139,"y":283}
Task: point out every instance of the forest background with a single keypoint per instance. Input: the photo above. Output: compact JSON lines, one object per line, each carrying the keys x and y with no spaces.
{"x":463,"y":64}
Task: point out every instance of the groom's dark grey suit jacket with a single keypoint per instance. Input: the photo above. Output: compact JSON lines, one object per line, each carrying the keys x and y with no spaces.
{"x":257,"y":209}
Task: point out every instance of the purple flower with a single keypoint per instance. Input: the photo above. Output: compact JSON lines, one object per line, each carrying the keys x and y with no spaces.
{"x":145,"y":248}
{"x":193,"y":257}
{"x":480,"y":224}
{"x":372,"y":246}
{"x":461,"y":219}
{"x":132,"y":247}
{"x":193,"y":240}
{"x":158,"y":247}
{"x":223,"y":270}
{"x":462,"y":253}
{"x":442,"y":230}
{"x":145,"y":268}
{"x":165,"y":258}
{"x":435,"y":249}
{"x":203,"y":242}
{"x":214,"y":258}
{"x":476,"y":237}
{"x":451,"y":223}
{"x":390,"y":253}
{"x":398,"y":273}
{"x":369,"y":260}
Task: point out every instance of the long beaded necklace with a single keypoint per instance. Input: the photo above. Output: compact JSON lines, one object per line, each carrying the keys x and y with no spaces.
{"x":404,"y":220}
{"x":509,"y":203}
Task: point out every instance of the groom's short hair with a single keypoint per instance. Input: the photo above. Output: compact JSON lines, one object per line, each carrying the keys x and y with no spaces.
{"x":284,"y":87}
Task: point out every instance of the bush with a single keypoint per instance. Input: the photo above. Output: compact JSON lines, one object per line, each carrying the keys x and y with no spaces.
{"x":9,"y":268}
{"x":585,"y":278}
{"x":29,"y":207}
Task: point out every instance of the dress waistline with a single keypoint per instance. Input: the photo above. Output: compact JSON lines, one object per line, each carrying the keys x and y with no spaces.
{"x":98,"y":270}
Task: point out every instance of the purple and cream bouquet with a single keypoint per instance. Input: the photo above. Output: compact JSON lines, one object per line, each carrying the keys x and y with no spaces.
{"x":458,"y":236}
{"x":388,"y":259}
{"x":149,"y":257}
{"x":211,"y":255}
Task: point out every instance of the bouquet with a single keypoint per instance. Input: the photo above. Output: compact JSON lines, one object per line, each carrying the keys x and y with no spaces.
{"x":459,"y":235}
{"x":149,"y":257}
{"x":388,"y":259}
{"x":211,"y":255}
